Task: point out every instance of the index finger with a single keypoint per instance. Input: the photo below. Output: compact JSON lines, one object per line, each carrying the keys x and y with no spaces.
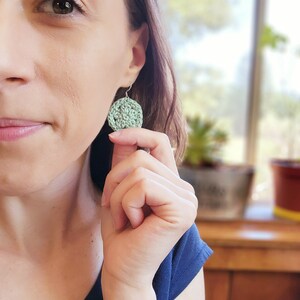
{"x":158,"y":143}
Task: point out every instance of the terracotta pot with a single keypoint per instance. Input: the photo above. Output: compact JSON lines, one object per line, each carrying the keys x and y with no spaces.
{"x":286,"y":176}
{"x":222,"y":192}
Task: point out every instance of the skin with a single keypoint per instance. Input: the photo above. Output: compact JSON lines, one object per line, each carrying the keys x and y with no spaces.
{"x":64,"y":72}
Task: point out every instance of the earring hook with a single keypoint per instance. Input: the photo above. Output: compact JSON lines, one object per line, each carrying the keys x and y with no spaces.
{"x":126,"y":93}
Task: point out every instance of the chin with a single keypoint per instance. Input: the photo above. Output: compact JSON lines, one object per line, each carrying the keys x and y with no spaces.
{"x":39,"y":172}
{"x":21,"y":183}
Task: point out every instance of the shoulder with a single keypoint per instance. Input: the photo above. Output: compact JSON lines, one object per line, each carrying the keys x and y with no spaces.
{"x":181,"y":266}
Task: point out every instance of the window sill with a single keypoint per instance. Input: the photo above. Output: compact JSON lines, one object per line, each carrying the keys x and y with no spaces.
{"x":257,"y":242}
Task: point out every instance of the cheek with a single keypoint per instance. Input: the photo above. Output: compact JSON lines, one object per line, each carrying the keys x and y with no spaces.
{"x":84,"y":81}
{"x":77,"y":91}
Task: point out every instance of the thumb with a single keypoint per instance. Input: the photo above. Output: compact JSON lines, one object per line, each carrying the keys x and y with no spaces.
{"x":121,"y":150}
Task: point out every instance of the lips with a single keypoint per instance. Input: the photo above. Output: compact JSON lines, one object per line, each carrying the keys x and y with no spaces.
{"x":14,"y":129}
{"x":17,"y":123}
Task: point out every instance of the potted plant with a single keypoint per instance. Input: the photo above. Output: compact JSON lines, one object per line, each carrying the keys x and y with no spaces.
{"x":286,"y":171}
{"x":286,"y":176}
{"x":222,"y":190}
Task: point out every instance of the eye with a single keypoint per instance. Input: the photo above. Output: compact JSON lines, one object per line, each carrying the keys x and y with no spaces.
{"x":59,"y":7}
{"x":63,"y":7}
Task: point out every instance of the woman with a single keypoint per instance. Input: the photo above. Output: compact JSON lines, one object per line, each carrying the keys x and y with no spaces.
{"x":62,"y":63}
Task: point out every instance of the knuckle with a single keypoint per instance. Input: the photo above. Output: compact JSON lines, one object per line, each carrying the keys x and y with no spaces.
{"x":185,"y":216}
{"x":194,"y":212}
{"x":194,"y":200}
{"x":189,"y":187}
{"x":139,"y":172}
{"x":144,"y":184}
{"x":191,"y":196}
{"x":190,"y":217}
{"x":140,"y":155}
{"x":164,"y":138}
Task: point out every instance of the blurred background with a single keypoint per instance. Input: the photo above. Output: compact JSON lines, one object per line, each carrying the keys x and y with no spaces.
{"x":238,"y":62}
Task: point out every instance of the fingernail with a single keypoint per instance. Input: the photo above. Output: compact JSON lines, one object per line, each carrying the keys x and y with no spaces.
{"x":115,"y":134}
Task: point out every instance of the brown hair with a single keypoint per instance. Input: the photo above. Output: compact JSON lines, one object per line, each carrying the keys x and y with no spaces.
{"x":155,"y":89}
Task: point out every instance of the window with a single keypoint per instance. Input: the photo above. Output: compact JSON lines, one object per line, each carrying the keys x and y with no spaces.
{"x":215,"y":44}
{"x":279,"y":128}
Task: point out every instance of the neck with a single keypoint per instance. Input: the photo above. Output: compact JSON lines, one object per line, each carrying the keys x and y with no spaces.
{"x":38,"y":224}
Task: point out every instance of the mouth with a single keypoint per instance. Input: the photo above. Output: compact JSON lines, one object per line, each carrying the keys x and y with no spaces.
{"x":15,"y":129}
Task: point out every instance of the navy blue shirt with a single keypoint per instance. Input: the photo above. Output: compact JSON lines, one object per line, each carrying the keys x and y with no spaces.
{"x":177,"y":270}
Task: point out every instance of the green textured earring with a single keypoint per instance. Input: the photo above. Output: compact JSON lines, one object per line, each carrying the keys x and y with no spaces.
{"x":125,"y":113}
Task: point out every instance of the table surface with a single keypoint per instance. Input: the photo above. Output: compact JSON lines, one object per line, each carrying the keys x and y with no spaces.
{"x":256,"y":257}
{"x":258,"y":228}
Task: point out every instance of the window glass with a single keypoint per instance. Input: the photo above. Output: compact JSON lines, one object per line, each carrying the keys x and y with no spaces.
{"x":212,"y":42}
{"x":279,"y":126}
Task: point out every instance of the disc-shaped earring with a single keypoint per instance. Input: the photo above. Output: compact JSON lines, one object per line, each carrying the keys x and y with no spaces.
{"x":125,"y":113}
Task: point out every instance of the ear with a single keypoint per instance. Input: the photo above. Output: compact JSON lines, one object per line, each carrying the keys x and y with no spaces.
{"x":137,"y":54}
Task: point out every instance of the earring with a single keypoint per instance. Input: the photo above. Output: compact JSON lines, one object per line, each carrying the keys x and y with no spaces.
{"x":125,"y":113}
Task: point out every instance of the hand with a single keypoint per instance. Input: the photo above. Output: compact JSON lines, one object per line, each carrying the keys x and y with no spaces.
{"x":147,"y":207}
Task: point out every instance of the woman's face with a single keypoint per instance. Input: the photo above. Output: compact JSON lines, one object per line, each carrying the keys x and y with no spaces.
{"x":60,"y":66}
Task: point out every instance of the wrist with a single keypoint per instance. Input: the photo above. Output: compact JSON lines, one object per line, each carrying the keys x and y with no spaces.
{"x":114,"y":289}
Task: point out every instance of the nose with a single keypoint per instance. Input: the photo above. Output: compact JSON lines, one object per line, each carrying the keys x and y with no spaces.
{"x":16,"y":65}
